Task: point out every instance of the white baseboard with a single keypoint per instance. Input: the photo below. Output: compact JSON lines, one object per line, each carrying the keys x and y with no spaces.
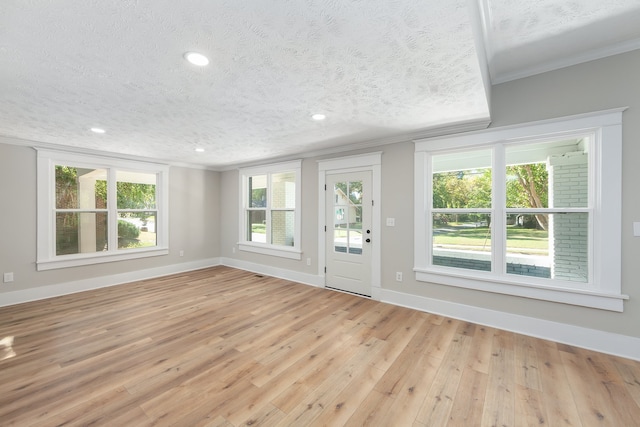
{"x":43,"y":292}
{"x":592,"y":339}
{"x":281,"y":273}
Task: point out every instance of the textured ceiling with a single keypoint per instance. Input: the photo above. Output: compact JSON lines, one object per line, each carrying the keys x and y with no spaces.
{"x":379,"y":69}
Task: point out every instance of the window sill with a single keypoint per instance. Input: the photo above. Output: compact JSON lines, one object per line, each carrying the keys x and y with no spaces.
{"x":282,"y":252}
{"x":506,"y":285}
{"x":88,"y":259}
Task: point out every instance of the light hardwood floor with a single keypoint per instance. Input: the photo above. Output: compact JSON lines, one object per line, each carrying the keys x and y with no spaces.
{"x":224,"y":347}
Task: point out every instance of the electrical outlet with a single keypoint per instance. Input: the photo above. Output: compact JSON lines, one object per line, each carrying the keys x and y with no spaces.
{"x":308,"y":261}
{"x":233,"y":249}
{"x":8,"y":277}
{"x":181,"y":253}
{"x":398,"y":276}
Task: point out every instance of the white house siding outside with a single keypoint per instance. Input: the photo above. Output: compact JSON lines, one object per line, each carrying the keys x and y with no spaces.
{"x":569,"y":175}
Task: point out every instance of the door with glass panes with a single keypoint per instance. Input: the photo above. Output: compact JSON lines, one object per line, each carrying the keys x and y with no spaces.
{"x":348,"y":232}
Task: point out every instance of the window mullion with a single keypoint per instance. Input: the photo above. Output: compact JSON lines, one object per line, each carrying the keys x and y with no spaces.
{"x":498,"y":216}
{"x":161,"y":239}
{"x":245,"y":206}
{"x":268,"y":211}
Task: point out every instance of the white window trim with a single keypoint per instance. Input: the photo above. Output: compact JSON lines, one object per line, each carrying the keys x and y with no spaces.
{"x":46,"y":250}
{"x":604,"y":290}
{"x":291,"y":252}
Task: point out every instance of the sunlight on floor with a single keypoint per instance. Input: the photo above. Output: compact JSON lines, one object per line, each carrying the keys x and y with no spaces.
{"x":6,"y":348}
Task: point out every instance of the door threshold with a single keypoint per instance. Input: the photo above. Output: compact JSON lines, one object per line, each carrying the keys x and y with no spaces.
{"x":348,"y":292}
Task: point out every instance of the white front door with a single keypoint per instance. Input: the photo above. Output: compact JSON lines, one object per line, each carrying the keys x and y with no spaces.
{"x":348,"y":232}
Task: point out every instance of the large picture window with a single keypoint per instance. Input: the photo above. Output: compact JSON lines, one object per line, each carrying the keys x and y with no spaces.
{"x":270,"y":202}
{"x":531,"y":211}
{"x":94,"y":209}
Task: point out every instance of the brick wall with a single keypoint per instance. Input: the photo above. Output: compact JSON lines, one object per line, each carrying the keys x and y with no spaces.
{"x":569,"y":232}
{"x":283,"y":194}
{"x":484,"y":265}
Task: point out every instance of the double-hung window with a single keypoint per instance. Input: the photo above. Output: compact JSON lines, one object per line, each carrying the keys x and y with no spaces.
{"x":531,"y":210}
{"x":270,"y":206}
{"x":98,"y":209}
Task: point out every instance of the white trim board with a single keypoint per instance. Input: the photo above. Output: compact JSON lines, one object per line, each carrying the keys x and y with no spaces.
{"x":66,"y":288}
{"x":591,"y":339}
{"x":565,"y":61}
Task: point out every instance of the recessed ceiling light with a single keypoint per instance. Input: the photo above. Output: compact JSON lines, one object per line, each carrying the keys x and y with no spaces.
{"x":196,"y":58}
{"x":98,"y":130}
{"x":200,"y":150}
{"x":318,"y":117}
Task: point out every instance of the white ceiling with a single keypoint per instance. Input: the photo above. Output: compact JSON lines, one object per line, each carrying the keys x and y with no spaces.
{"x":381,"y":70}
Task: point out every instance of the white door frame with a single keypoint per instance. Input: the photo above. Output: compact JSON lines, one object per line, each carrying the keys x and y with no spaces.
{"x":366,"y":162}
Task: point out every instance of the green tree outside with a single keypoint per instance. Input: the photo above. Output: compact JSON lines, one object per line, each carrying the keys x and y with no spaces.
{"x":526,"y":187}
{"x":129,"y":195}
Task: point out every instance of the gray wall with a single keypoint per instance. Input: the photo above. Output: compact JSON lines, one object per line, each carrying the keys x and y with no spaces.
{"x":193,"y":223}
{"x":597,"y":85}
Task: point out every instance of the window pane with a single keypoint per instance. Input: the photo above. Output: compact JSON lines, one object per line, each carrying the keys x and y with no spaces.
{"x":283,"y":190}
{"x":355,"y":242}
{"x":462,"y":180}
{"x":257,"y":230}
{"x":78,"y":188}
{"x":551,"y":174}
{"x":282,"y":227}
{"x":81,"y":232}
{"x":528,"y":245}
{"x":462,"y":241}
{"x":355,"y":231}
{"x":570,"y":246}
{"x":340,"y":226}
{"x":258,"y":191}
{"x":136,"y":229}
{"x":347,"y":222}
{"x":530,"y":251}
{"x":355,"y":192}
{"x":136,"y":190}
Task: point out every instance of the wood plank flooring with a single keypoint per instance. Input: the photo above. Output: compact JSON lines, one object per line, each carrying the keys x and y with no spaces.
{"x":225,"y":347}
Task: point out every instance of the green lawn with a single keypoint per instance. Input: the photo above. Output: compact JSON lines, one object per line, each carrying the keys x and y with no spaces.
{"x":259,"y":228}
{"x":527,"y":240}
{"x":145,"y":239}
{"x":343,"y":233}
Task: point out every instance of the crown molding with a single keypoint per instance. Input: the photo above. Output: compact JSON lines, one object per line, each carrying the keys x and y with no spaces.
{"x":567,"y":61}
